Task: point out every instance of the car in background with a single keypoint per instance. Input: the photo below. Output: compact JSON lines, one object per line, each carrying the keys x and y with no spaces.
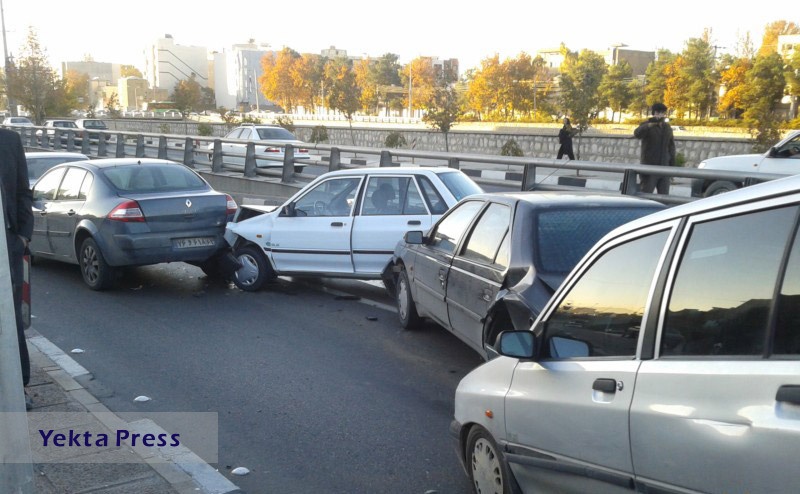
{"x":110,"y":213}
{"x":258,"y":133}
{"x":91,"y":124}
{"x":343,"y":224}
{"x":782,"y":159}
{"x":64,"y":126}
{"x":18,"y":121}
{"x":40,"y":162}
{"x":492,"y":262}
{"x":667,"y":361}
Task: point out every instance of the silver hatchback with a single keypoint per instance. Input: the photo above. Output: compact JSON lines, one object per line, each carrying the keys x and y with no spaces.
{"x":668,"y":361}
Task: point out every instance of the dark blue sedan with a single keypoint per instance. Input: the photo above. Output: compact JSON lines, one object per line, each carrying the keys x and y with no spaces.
{"x":106,"y":214}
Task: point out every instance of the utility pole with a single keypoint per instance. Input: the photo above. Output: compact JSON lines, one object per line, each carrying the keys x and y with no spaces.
{"x":12,"y":107}
{"x":255,"y":82}
{"x":410,"y":87}
{"x":16,"y":466}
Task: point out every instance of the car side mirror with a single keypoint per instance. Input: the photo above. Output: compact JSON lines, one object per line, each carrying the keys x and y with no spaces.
{"x":516,"y":344}
{"x":414,"y":237}
{"x":773,"y":152}
{"x":288,"y":210}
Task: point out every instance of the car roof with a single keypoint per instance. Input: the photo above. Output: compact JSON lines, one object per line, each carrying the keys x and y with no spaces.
{"x":567,"y":199}
{"x":755,"y":193}
{"x":114,"y":162}
{"x":46,"y":154}
{"x":391,"y":170}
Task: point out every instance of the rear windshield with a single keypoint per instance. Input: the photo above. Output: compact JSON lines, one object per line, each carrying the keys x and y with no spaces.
{"x":276,"y":135}
{"x":20,"y":120}
{"x":460,"y":185}
{"x":94,"y":124}
{"x":564,"y":236}
{"x":153,"y":178}
{"x":66,"y":125}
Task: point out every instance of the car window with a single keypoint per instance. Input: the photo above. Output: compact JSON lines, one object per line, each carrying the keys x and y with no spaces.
{"x":503,"y":256}
{"x":489,"y":232}
{"x":724,"y":285}
{"x":46,"y":187}
{"x":459,"y":184}
{"x":432,"y":196}
{"x":153,"y":178}
{"x":234,"y":134}
{"x":790,"y":149}
{"x":450,"y":229}
{"x":601,"y":316}
{"x":71,"y":185}
{"x":37,"y":166}
{"x":787,"y":325}
{"x":564,"y":236}
{"x":392,"y":196}
{"x":334,"y":197}
{"x":86,"y":186}
{"x":245,"y":134}
{"x":276,"y":134}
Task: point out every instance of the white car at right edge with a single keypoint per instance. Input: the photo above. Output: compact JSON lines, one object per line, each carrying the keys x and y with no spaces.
{"x":782,"y":159}
{"x":344,"y":224}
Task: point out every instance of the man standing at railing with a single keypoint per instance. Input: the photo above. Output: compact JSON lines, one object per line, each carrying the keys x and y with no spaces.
{"x":17,"y":200}
{"x":658,"y":148}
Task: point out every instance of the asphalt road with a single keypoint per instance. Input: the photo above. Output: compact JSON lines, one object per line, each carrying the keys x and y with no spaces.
{"x":312,"y":395}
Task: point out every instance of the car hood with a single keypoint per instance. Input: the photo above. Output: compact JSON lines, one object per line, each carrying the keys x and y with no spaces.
{"x":739,"y":162}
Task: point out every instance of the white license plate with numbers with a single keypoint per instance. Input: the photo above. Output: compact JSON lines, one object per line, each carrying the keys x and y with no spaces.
{"x":188,"y":243}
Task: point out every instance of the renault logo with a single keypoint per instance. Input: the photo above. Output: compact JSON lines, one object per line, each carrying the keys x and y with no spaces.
{"x":188,"y":203}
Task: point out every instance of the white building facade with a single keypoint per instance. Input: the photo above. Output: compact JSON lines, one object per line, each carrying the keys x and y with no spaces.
{"x":167,"y":63}
{"x":236,"y":75}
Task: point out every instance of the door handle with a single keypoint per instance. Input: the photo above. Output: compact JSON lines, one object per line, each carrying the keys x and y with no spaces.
{"x":71,"y":212}
{"x":337,"y":223}
{"x":605,"y":385}
{"x":788,"y":394}
{"x":441,"y":277}
{"x":415,"y":222}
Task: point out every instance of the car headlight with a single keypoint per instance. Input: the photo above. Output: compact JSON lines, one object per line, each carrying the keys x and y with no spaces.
{"x":702,"y":164}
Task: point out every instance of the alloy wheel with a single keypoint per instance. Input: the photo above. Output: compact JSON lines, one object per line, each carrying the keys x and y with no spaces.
{"x":248,"y":273}
{"x":402,"y":298}
{"x":486,"y":472}
{"x":91,"y":265}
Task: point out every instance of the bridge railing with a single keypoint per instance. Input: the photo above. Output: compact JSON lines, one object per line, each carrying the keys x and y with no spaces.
{"x":250,"y":159}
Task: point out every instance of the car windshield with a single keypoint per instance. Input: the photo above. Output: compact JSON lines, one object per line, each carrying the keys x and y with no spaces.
{"x":564,"y":236}
{"x":460,"y":185}
{"x":66,"y":125}
{"x":153,"y":178}
{"x":94,"y":124}
{"x":275,"y":134}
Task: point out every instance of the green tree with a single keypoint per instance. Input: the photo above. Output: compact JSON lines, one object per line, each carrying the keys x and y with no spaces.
{"x":762,"y":96}
{"x":318,"y":134}
{"x":387,"y":80}
{"x":511,"y":148}
{"x":343,"y":93}
{"x":187,"y":96}
{"x":656,"y":77}
{"x":615,"y":88}
{"x":581,"y":77}
{"x":700,"y":75}
{"x":32,"y":82}
{"x":443,"y":110}
{"x":111,"y":104}
{"x":394,"y":140}
{"x":638,"y":104}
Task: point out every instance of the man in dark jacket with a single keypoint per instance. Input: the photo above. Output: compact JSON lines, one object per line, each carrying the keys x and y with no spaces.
{"x":565,"y":139}
{"x":658,"y":148}
{"x":17,"y":200}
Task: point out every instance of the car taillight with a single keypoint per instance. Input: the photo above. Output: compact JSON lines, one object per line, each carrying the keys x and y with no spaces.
{"x":302,"y":150}
{"x":128,"y":211}
{"x":273,"y":150}
{"x":231,"y":206}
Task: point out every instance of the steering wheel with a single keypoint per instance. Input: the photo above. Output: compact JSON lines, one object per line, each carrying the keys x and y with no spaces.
{"x":319,"y":208}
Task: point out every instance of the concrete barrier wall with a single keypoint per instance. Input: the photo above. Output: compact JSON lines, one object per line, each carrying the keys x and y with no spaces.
{"x":540,"y":143}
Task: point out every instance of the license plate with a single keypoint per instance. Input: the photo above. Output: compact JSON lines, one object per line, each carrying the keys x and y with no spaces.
{"x":188,"y":243}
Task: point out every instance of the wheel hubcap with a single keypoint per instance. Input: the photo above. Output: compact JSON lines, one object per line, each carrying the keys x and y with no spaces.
{"x":91,"y":264}
{"x":248,"y":273}
{"x":402,"y":299}
{"x":486,"y":471}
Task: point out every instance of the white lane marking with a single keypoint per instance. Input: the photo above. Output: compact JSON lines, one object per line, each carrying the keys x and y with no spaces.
{"x":55,"y":354}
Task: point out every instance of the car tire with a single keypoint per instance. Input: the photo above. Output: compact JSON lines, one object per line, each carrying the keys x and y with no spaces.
{"x":96,"y":272}
{"x":255,"y":271}
{"x":212,"y":269}
{"x":486,"y":466}
{"x":299,"y":168}
{"x":406,"y":308}
{"x":720,"y":187}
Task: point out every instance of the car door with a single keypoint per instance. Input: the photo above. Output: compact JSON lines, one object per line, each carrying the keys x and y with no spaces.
{"x":317,"y":237}
{"x":718,"y":408}
{"x":392,"y":205}
{"x":784,"y":160}
{"x":228,"y":148}
{"x":63,"y":213}
{"x":433,"y":258}
{"x":44,"y":194}
{"x":567,"y":413}
{"x":475,"y":275}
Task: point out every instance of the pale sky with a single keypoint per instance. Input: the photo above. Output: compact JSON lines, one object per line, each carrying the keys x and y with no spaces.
{"x":119,"y":31}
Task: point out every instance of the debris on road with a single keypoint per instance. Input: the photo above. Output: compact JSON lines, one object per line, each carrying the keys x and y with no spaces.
{"x":76,"y":350}
{"x":372,"y":318}
{"x":241,"y":471}
{"x":141,"y":399}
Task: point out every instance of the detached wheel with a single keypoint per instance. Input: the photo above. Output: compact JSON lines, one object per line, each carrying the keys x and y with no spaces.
{"x":720,"y":187}
{"x":255,"y":270}
{"x":488,"y":470}
{"x":406,"y":308}
{"x":96,"y":272}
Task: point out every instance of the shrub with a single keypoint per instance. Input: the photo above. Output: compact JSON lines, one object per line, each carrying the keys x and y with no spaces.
{"x":285,"y":121}
{"x":680,"y":159}
{"x":395,"y":140}
{"x":204,"y":129}
{"x":247,"y":119}
{"x":164,"y":128}
{"x":319,"y":134}
{"x":511,"y":148}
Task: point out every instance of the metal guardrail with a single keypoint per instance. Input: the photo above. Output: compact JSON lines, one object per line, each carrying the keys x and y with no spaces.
{"x":208,"y":151}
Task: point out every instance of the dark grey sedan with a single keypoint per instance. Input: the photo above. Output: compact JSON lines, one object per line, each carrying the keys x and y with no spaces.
{"x":105,"y":214}
{"x":494,"y":260}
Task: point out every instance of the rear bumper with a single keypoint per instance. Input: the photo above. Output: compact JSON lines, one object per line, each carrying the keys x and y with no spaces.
{"x":154,"y":248}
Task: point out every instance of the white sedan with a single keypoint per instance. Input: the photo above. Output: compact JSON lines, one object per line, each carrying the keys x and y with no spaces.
{"x":343,"y":224}
{"x":256,"y":134}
